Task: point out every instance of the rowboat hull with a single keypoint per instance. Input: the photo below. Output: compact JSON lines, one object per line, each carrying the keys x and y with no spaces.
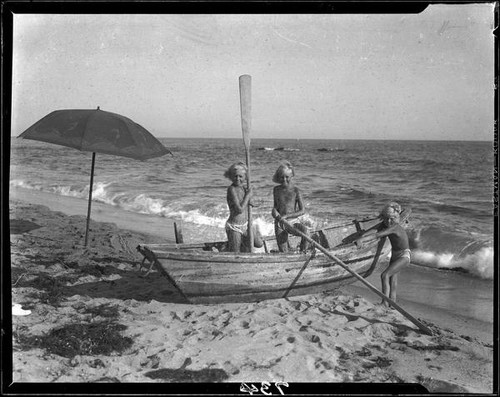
{"x":204,"y":276}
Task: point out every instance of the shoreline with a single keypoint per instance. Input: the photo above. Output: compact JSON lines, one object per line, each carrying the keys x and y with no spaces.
{"x":334,"y":337}
{"x":142,"y":223}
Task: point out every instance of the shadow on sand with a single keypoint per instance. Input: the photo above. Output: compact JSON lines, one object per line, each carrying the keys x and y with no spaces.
{"x":130,"y":285}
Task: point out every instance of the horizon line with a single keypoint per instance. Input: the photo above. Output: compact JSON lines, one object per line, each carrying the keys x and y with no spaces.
{"x":320,"y":139}
{"x":337,"y":139}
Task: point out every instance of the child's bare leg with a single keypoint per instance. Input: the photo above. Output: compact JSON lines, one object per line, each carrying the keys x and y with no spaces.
{"x":393,"y":282}
{"x":304,"y":244}
{"x":234,"y":241}
{"x":387,"y":276}
{"x":281,"y":239}
{"x":385,"y":287}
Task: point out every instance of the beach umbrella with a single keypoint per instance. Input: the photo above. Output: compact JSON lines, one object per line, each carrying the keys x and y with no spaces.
{"x":96,"y":131}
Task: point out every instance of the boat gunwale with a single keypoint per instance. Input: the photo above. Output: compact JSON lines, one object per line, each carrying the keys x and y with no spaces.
{"x":197,"y":253}
{"x":202,"y":255}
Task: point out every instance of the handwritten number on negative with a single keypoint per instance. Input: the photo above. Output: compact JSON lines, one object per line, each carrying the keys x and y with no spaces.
{"x":264,"y":387}
{"x":246,"y":389}
{"x":277,"y":384}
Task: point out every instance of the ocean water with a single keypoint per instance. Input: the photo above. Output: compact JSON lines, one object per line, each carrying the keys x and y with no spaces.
{"x":448,"y":185}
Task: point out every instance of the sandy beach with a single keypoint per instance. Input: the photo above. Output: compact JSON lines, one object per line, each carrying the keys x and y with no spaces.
{"x":93,"y":318}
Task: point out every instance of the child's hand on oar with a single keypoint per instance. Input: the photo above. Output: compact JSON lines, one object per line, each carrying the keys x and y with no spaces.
{"x":362,"y":240}
{"x":276,"y":215}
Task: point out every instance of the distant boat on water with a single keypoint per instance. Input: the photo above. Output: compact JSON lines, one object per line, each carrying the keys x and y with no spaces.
{"x":281,"y":148}
{"x":287,"y":149}
{"x":336,"y":149}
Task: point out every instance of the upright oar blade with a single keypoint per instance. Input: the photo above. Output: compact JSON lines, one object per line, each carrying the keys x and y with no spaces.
{"x":421,"y":326}
{"x":246,"y":126}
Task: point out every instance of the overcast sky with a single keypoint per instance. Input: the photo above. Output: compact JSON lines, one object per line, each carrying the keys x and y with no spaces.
{"x":345,"y":76}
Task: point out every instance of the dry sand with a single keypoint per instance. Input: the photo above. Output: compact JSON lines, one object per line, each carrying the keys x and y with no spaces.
{"x":94,"y":319}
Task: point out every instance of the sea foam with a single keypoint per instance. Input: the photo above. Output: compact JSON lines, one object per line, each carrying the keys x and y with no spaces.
{"x":479,"y":263}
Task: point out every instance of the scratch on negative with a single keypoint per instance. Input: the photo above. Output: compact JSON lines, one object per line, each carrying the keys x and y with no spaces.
{"x":290,"y":40}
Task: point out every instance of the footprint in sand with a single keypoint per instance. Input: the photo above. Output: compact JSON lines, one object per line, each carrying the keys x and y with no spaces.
{"x":314,"y":339}
{"x":244,"y":324}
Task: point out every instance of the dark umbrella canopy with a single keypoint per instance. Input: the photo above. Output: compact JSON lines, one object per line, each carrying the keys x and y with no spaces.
{"x":96,"y":131}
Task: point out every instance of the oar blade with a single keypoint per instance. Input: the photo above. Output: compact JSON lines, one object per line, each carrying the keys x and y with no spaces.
{"x":246,"y":126}
{"x":246,"y":108}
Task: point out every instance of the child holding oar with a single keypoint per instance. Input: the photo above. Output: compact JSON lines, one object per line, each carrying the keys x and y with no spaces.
{"x":287,"y":205}
{"x":238,"y":200}
{"x":400,"y":255}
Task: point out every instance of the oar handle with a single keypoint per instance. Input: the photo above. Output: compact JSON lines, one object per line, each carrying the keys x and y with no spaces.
{"x":250,"y":220}
{"x":421,"y":326}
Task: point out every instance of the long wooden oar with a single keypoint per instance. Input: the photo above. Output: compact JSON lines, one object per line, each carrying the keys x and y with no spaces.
{"x":246,"y":126}
{"x":421,"y":326}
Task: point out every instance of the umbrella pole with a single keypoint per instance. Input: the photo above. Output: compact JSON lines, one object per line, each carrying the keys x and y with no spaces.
{"x":90,"y":197}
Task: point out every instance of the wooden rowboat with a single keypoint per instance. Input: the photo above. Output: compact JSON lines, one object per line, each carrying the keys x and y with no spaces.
{"x":203,"y":273}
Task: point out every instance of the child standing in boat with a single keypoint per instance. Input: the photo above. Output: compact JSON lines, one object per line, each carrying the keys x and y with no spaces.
{"x":287,"y":205}
{"x":238,"y":200}
{"x":400,"y":256}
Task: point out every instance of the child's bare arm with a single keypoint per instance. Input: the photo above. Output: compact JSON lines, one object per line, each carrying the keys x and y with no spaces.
{"x":276,"y":204}
{"x":299,"y":204}
{"x":386,"y":231}
{"x":374,"y":233}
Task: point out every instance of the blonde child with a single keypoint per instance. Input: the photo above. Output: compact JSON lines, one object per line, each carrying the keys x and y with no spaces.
{"x":400,"y":256}
{"x":287,"y":205}
{"x":238,"y":200}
